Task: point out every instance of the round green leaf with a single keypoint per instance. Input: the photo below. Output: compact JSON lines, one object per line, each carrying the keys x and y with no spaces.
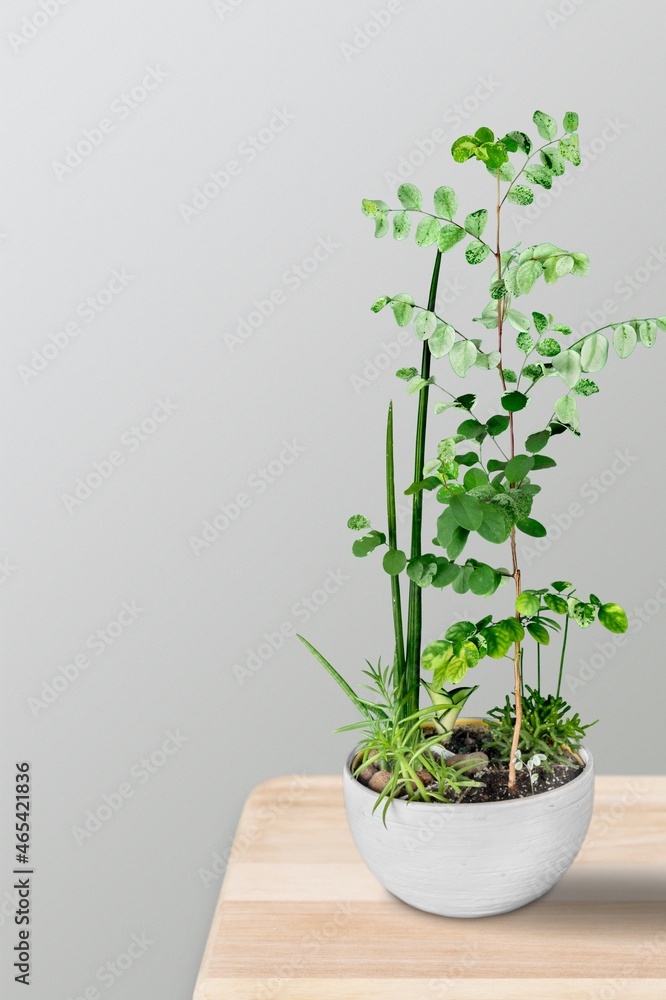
{"x":441,"y":340}
{"x":496,"y":525}
{"x":520,"y":194}
{"x":427,"y":232}
{"x":463,"y":357}
{"x":514,"y":401}
{"x":537,"y":441}
{"x":497,"y":424}
{"x":476,"y":253}
{"x":647,"y":331}
{"x":467,"y":511}
{"x":570,"y":122}
{"x":594,"y":353}
{"x":566,"y":410}
{"x":410,"y":197}
{"x":625,"y":339}
{"x":539,"y":632}
{"x":528,"y":603}
{"x":446,"y":202}
{"x":476,"y":222}
{"x":531,"y":527}
{"x":464,"y":147}
{"x":546,"y":126}
{"x":448,"y":237}
{"x":425,"y":323}
{"x":483,"y":580}
{"x":556,"y":603}
{"x":403,"y":307}
{"x":358,"y":522}
{"x":548,"y":347}
{"x":394,"y":561}
{"x":567,"y":364}
{"x":614,"y":618}
{"x":518,"y":467}
{"x":402,"y":223}
{"x":436,"y":655}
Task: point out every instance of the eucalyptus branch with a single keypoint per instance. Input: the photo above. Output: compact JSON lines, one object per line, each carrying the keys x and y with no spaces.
{"x":440,"y":218}
{"x":551,"y":142}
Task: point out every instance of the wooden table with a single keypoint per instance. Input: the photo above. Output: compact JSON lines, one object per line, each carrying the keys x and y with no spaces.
{"x":300,"y":917}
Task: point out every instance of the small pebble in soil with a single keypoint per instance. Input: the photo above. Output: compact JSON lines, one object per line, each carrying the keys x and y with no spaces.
{"x":379,"y":780}
{"x":468,"y":762}
{"x":367,"y":773}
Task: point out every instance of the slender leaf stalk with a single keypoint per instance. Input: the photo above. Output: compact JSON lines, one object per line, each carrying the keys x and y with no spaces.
{"x":400,"y":675}
{"x":564,"y":649}
{"x":414,"y":613}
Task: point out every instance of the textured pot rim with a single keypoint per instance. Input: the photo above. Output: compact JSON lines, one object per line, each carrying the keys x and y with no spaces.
{"x":523,"y":801}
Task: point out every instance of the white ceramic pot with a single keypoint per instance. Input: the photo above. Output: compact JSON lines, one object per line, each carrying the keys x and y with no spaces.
{"x":474,"y":859}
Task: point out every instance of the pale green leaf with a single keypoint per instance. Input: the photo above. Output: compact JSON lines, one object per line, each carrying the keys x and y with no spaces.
{"x":402,"y":224}
{"x":446,"y":202}
{"x":520,"y":194}
{"x":476,"y":253}
{"x":476,"y":222}
{"x":594,"y":352}
{"x":568,"y":366}
{"x":566,"y":410}
{"x":441,"y":340}
{"x":518,"y":321}
{"x":546,"y":126}
{"x":570,"y":122}
{"x":427,"y":232}
{"x":410,"y":197}
{"x":647,"y":331}
{"x":425,"y":324}
{"x":449,"y":236}
{"x":624,"y":339}
{"x":463,"y":356}
{"x":403,"y":308}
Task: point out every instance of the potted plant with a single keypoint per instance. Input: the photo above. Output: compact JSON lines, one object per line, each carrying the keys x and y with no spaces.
{"x":479,"y":817}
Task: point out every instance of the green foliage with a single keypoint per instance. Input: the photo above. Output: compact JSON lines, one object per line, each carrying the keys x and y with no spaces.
{"x":481,"y":482}
{"x":549,"y":727}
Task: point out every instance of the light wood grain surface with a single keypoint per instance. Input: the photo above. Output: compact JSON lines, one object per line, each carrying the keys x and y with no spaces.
{"x":300,"y":917}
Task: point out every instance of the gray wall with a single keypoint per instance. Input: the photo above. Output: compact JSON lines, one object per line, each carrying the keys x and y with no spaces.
{"x":184,"y":402}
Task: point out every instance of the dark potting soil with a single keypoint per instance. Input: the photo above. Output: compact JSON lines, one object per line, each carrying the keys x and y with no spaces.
{"x":494,"y":777}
